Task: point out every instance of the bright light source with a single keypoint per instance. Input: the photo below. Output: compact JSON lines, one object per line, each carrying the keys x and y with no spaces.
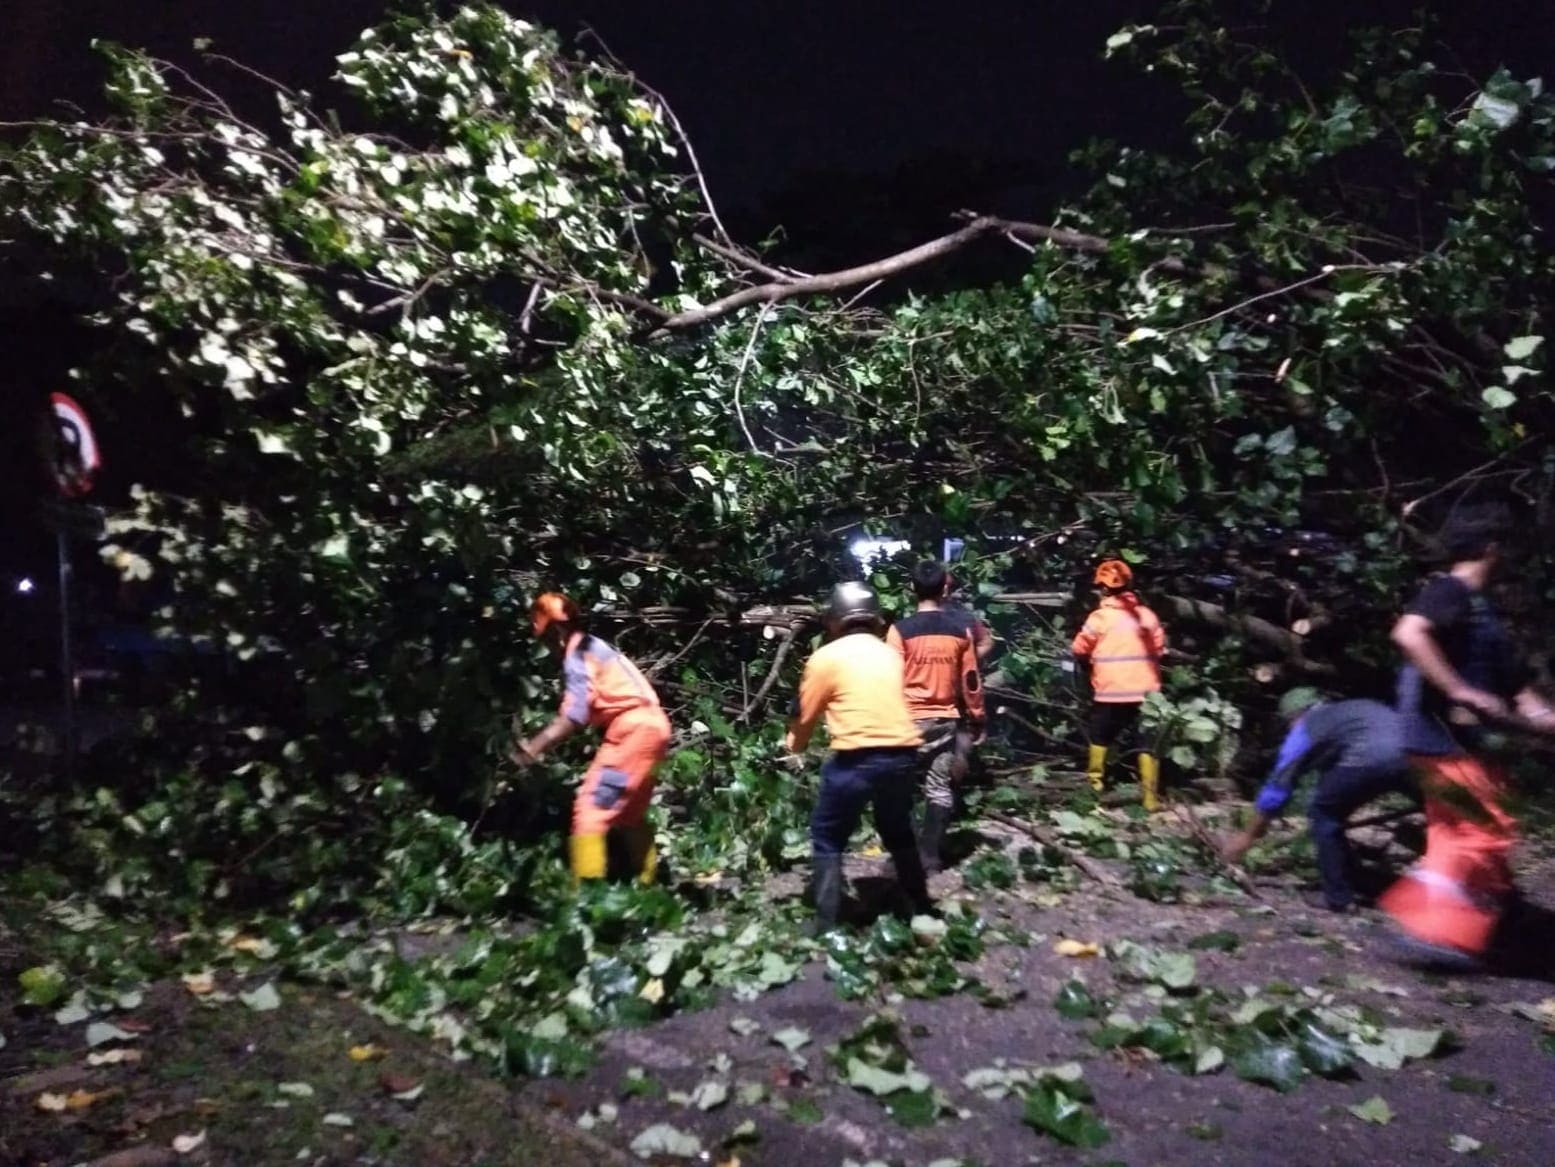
{"x":867,"y":550}
{"x":24,"y":587}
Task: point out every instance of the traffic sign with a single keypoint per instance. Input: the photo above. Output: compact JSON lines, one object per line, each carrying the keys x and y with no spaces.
{"x":75,"y":455}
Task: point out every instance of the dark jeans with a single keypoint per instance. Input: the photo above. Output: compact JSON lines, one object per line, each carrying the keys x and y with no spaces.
{"x":852,"y":780}
{"x":1341,"y":792}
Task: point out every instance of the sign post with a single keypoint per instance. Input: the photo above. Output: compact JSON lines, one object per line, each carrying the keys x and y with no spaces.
{"x":75,"y":460}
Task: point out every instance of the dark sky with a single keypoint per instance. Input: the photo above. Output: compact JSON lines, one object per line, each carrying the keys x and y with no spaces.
{"x":862,"y":122}
{"x":777,"y":94}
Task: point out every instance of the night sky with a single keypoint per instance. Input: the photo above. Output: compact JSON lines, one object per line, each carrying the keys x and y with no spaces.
{"x":859,"y":125}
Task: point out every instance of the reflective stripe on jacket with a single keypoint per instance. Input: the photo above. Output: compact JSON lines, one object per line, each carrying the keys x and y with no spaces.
{"x":601,"y":684}
{"x":1123,"y":640}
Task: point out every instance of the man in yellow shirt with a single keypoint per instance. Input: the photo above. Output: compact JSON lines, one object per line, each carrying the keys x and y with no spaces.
{"x":855,"y":680}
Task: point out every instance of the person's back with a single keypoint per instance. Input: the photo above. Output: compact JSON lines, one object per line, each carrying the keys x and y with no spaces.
{"x":1119,"y":647}
{"x":939,"y":664}
{"x":1124,"y":640}
{"x":856,"y":680}
{"x":944,"y":688}
{"x":1358,"y":733}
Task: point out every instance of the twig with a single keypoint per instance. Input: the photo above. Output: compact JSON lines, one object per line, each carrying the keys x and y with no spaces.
{"x":1100,"y":874}
{"x":680,"y":132}
{"x":749,"y":262}
{"x":1282,"y":290}
{"x":739,"y":375}
{"x":692,"y":643}
{"x":1207,"y":841}
{"x":772,"y":675}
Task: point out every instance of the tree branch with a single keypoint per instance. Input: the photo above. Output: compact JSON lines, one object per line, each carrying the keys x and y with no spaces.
{"x":837,"y":281}
{"x":755,"y":703}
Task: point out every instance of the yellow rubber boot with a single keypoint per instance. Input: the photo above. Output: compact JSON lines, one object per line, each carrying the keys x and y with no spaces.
{"x":588,"y":856}
{"x":1150,"y":782}
{"x":1096,"y":767}
{"x":642,"y":856}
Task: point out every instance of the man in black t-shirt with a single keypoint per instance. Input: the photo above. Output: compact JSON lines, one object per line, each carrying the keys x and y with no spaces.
{"x":1462,"y":675}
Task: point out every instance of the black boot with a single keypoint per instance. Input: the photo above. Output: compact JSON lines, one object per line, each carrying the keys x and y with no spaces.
{"x":914,"y":883}
{"x":931,"y":835}
{"x":826,"y":891}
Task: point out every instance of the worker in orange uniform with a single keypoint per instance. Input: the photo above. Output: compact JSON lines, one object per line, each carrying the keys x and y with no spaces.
{"x":855,"y":681}
{"x":604,"y":689}
{"x":1462,"y":676}
{"x":944,"y":695}
{"x":1120,"y":644}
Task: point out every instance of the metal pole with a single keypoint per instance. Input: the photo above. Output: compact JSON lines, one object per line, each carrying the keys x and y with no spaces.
{"x":66,"y":657}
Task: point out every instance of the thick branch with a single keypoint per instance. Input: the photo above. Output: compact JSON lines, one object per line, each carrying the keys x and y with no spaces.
{"x":837,"y":281}
{"x":1254,"y":627}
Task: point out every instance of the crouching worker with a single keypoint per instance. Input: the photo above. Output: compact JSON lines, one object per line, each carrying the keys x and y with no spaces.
{"x":944,"y":696}
{"x":1463,"y":676}
{"x":603,"y":689}
{"x":1358,"y":749}
{"x":855,"y":681}
{"x":1120,"y":645}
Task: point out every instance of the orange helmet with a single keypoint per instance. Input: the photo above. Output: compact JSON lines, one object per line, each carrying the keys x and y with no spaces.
{"x":551,"y":608}
{"x":1113,"y":573}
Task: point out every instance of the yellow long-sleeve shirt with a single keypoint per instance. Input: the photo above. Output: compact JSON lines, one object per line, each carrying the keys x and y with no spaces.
{"x":856,"y":681}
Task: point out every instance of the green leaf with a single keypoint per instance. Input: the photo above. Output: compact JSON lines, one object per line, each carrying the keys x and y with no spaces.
{"x":664,"y":1139}
{"x":1050,"y":1109}
{"x":1498,"y":397}
{"x":1323,"y":1053}
{"x":1396,"y":1046}
{"x":1373,"y":1110}
{"x":42,"y":985}
{"x":792,"y":1039}
{"x":1209,"y":1132}
{"x":710,"y":1095}
{"x":913,"y":1108}
{"x":1074,"y":1001}
{"x":743,"y":1135}
{"x":1175,"y":970}
{"x":1221,"y":941}
{"x":1209,"y":1059}
{"x":102,"y":1032}
{"x":263,"y":999}
{"x":1520,"y":348}
{"x":1282,"y":442}
{"x":1270,"y":1064}
{"x":551,"y":1027}
{"x":881,"y":1082}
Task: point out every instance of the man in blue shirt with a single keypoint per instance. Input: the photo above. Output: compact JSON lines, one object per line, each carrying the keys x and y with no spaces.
{"x":1358,"y":747}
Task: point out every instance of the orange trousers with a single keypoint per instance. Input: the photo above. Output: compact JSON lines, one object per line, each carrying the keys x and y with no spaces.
{"x":619,"y":782}
{"x":1455,"y":894}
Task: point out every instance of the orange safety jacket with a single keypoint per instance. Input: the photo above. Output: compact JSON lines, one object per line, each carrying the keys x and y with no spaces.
{"x":601,"y":683}
{"x":939,"y":664}
{"x":1123,"y":640}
